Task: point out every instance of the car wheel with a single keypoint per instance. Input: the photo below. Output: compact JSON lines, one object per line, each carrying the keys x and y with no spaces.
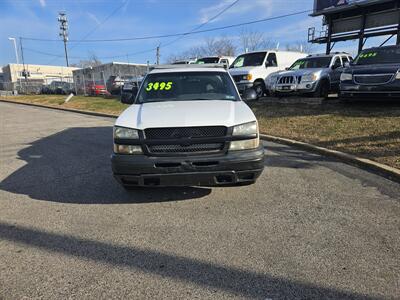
{"x":322,"y":90}
{"x":259,"y":88}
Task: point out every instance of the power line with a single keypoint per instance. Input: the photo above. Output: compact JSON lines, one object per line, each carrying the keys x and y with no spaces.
{"x":93,"y":30}
{"x":181,"y":35}
{"x":177,"y":34}
{"x":205,"y":23}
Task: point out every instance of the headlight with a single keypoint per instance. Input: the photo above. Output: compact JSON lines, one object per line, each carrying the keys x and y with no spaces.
{"x":247,"y":77}
{"x":244,"y":145}
{"x":127,"y":149}
{"x":346,"y":77}
{"x":125,"y":133}
{"x":398,"y":75}
{"x":246,"y":129}
{"x":309,"y":77}
{"x":249,"y":129}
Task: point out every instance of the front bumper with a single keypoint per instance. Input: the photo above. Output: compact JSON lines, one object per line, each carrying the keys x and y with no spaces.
{"x":242,"y":86}
{"x":295,"y":88}
{"x":352,"y":90}
{"x":236,"y":167}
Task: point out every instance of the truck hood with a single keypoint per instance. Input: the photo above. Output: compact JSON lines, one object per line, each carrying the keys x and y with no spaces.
{"x":373,"y":69}
{"x":243,"y":70}
{"x":185,"y":114}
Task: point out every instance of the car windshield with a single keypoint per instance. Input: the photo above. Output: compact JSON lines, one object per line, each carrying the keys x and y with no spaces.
{"x":207,"y":60}
{"x":311,"y":63}
{"x":249,"y":60}
{"x":378,"y":56}
{"x":187,"y":86}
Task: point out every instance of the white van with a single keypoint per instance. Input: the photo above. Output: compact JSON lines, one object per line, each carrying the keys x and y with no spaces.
{"x":188,"y":126}
{"x":252,"y":68}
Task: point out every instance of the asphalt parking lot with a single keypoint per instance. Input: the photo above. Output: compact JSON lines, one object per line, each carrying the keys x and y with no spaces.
{"x":311,"y":227}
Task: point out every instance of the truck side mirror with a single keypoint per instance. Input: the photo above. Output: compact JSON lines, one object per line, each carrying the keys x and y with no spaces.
{"x":347,"y":64}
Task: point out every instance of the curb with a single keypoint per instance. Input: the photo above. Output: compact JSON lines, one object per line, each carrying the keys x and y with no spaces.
{"x":363,"y":163}
{"x":84,"y":112}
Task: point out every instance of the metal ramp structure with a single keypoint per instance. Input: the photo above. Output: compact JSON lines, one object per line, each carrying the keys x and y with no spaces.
{"x":345,"y":20}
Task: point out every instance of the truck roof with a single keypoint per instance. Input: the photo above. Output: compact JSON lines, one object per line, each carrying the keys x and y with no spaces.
{"x":188,"y":68}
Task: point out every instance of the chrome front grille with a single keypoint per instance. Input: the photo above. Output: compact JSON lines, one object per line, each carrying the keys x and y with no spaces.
{"x":373,"y":79}
{"x":287,"y":80}
{"x":237,"y":78}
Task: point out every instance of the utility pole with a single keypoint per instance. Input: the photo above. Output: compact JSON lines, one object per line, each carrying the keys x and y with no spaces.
{"x":62,"y":19}
{"x":24,"y":72}
{"x":158,"y":55}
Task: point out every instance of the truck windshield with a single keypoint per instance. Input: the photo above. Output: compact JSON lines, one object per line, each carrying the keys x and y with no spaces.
{"x":249,"y":60}
{"x":187,"y":86}
{"x":379,"y":56}
{"x":311,"y":63}
{"x":207,"y":60}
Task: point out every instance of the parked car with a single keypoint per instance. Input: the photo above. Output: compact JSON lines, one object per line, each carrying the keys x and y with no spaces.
{"x":187,"y":127}
{"x":130,"y":90}
{"x":115,"y":83}
{"x":46,"y":89}
{"x":251,"y":69}
{"x":317,"y":75}
{"x":58,"y":87}
{"x":375,"y":73}
{"x":95,"y":89}
{"x":225,"y":60}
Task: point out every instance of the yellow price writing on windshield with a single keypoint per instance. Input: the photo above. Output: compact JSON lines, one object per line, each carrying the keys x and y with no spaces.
{"x":162,"y":86}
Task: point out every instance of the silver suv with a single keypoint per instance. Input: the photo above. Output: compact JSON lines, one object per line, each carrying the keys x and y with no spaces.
{"x":317,"y":75}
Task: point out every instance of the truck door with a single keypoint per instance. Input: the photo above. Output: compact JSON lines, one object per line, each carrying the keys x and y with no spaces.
{"x":271,"y":63}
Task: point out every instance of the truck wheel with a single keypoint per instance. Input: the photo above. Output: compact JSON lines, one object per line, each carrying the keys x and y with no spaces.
{"x":322,"y":90}
{"x":260,"y":89}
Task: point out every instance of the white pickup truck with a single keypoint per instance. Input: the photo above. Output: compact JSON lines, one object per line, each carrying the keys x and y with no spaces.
{"x":188,"y":126}
{"x":252,"y":68}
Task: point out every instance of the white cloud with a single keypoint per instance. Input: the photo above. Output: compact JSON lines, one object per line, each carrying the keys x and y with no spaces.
{"x":42,"y":3}
{"x":243,"y":6}
{"x":94,"y":18}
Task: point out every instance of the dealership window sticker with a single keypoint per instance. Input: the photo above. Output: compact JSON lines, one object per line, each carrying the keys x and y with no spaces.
{"x":162,"y":86}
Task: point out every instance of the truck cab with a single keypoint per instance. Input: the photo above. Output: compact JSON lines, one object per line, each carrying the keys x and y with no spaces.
{"x":188,"y":126}
{"x":249,"y":70}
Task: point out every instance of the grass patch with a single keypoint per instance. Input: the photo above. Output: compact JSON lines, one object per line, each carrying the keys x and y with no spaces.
{"x":370,"y":130}
{"x":97,"y":104}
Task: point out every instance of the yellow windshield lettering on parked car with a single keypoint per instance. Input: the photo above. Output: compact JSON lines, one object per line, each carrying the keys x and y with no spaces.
{"x":368,"y":55}
{"x":162,"y":86}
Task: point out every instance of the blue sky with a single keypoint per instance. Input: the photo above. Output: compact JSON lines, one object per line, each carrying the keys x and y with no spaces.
{"x":38,"y":19}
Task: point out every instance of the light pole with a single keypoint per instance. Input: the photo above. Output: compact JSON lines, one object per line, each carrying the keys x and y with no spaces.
{"x":15,"y":48}
{"x":16,"y":58}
